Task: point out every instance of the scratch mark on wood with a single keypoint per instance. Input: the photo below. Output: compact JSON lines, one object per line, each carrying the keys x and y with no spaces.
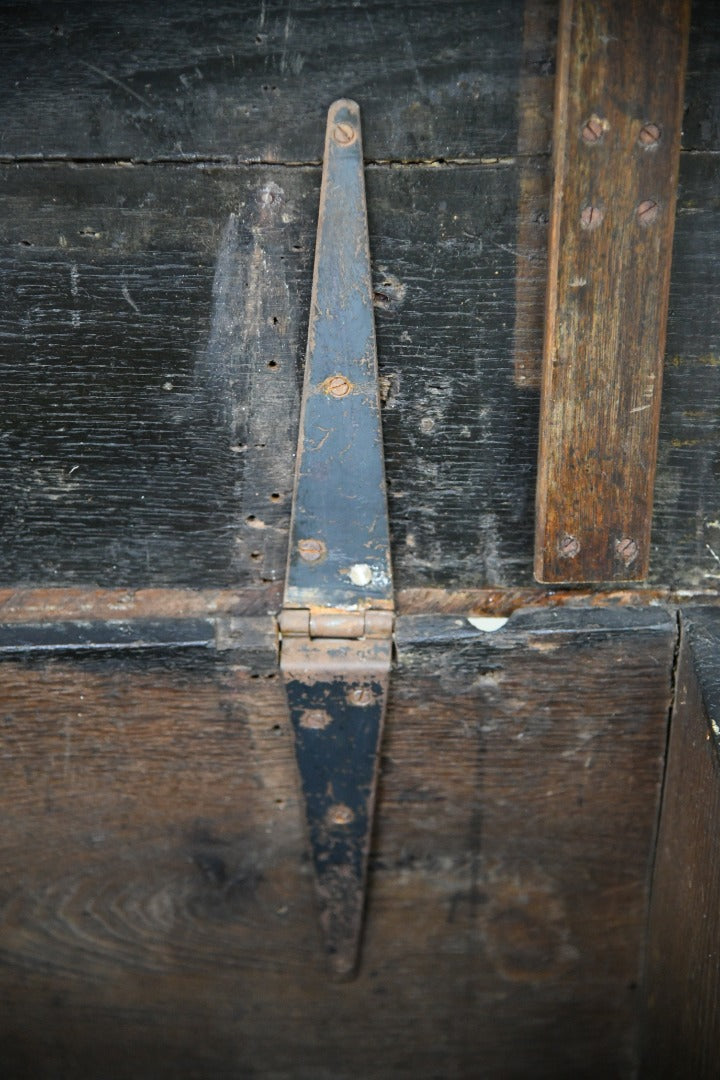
{"x":118,"y":82}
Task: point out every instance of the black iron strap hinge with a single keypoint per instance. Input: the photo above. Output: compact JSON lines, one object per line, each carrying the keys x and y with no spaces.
{"x":337,"y":619}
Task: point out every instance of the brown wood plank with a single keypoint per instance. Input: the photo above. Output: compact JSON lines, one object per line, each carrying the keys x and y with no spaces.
{"x":157,"y":914}
{"x":618,"y":111}
{"x":682,"y":1031}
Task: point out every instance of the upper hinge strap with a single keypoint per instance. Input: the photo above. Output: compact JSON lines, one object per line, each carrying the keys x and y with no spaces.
{"x":339,"y":554}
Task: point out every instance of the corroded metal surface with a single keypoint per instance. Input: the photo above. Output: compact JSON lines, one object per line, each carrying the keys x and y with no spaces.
{"x":337,"y":620}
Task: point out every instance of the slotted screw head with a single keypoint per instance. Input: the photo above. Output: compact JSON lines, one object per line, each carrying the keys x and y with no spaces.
{"x":344,"y":133}
{"x":649,"y":135}
{"x":647,"y":212}
{"x":315,"y":719}
{"x":340,"y":814}
{"x":337,"y":386}
{"x":591,"y":217}
{"x":311,"y":550}
{"x":594,"y":129}
{"x":361,"y":695}
{"x":569,"y":547}
{"x":626,"y":549}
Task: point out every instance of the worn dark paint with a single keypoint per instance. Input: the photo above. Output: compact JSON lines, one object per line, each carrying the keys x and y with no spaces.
{"x":339,"y":501}
{"x":339,"y":554}
{"x":338,"y":768}
{"x":252,"y":81}
{"x":175,"y":488}
{"x":107,"y":634}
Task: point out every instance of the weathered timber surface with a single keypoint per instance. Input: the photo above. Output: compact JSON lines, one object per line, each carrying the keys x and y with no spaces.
{"x":152,"y":344}
{"x":252,"y":81}
{"x":682,"y":1026}
{"x":616,"y":147}
{"x":157,"y":905}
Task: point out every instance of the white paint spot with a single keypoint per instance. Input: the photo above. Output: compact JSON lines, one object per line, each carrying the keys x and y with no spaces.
{"x":487,"y":623}
{"x":361,"y":574}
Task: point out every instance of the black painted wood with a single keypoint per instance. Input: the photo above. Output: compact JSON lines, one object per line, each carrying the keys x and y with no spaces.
{"x":253,"y":80}
{"x":152,"y":343}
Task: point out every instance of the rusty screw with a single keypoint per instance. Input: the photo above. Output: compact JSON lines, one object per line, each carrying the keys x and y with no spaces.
{"x":315,"y":719}
{"x":649,"y":135}
{"x":594,"y":129}
{"x":311,"y":550}
{"x":361,"y":695}
{"x":344,"y":134}
{"x":647,"y":212}
{"x":569,"y":547}
{"x":340,"y":814}
{"x":591,"y":217}
{"x":626,"y":549}
{"x":337,"y":386}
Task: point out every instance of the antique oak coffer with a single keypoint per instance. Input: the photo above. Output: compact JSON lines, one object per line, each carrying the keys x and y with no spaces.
{"x":360,"y":492}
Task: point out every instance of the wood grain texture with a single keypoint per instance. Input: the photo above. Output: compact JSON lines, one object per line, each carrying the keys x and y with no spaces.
{"x":157,"y":905}
{"x":152,"y":446}
{"x":682,"y":1026}
{"x":253,"y":81}
{"x":616,"y":142}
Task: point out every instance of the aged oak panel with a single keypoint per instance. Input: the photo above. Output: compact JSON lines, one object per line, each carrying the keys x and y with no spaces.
{"x":682,"y":1026}
{"x":157,"y":902}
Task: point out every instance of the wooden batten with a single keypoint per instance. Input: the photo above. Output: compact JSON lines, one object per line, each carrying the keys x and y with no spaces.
{"x":618,"y":113}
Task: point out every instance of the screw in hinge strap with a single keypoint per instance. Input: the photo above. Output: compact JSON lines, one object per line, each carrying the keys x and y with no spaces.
{"x":344,"y":134}
{"x":311,"y":550}
{"x":340,"y":815}
{"x":360,"y":695}
{"x":337,"y":386}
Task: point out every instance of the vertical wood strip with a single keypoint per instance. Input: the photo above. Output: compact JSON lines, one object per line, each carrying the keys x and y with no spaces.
{"x":618,"y":110}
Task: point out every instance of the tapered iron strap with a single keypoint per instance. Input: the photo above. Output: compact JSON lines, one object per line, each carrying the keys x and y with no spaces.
{"x":337,"y":618}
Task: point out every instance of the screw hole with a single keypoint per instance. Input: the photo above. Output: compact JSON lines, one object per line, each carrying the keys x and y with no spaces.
{"x":272,"y":364}
{"x":275,"y":497}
